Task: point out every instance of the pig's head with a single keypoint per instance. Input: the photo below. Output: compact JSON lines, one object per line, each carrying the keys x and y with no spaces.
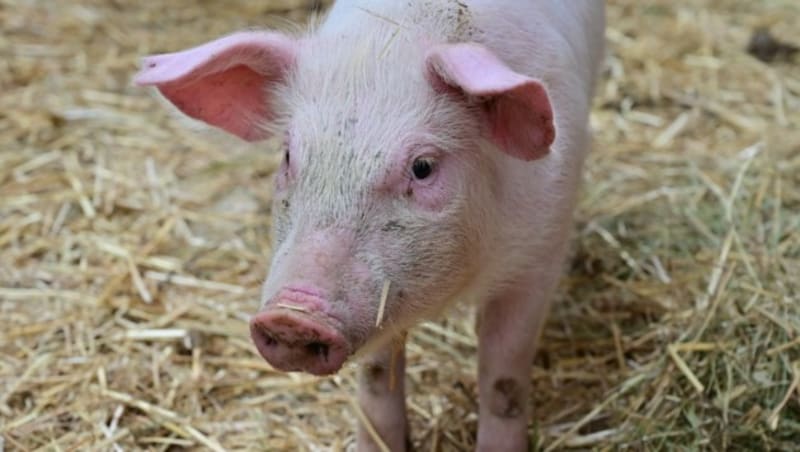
{"x":389,"y":183}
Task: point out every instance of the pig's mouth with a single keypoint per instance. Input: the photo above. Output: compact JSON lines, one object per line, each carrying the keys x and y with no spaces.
{"x":292,"y":340}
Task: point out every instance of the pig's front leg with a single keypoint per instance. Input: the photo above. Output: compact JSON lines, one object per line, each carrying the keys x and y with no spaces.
{"x":508,"y":328}
{"x":381,"y":395}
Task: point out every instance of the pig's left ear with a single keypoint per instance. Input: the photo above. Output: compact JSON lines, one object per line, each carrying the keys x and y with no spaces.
{"x":517,"y":107}
{"x":226,"y":83}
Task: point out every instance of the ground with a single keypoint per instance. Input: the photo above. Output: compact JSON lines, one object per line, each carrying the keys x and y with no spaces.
{"x":132,"y":249}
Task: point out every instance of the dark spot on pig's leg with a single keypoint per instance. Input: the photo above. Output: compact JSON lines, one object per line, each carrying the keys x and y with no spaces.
{"x":374,"y":377}
{"x":285,"y":204}
{"x":506,"y":399}
{"x":375,"y":371}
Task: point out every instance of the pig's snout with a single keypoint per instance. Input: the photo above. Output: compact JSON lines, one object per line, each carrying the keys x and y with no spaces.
{"x":295,"y":341}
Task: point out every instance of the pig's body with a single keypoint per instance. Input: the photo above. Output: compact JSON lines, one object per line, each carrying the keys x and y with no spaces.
{"x":433,"y":145}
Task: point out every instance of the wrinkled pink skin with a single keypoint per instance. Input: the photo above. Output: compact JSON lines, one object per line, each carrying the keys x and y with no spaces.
{"x":495,"y":96}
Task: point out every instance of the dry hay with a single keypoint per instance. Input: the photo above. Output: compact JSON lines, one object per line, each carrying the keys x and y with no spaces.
{"x":131,"y":250}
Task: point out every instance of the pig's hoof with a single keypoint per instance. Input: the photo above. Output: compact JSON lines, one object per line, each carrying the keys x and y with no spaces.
{"x":294,"y":341}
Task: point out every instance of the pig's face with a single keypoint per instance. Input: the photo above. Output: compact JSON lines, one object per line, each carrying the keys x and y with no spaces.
{"x":390,"y":177}
{"x":377,"y":186}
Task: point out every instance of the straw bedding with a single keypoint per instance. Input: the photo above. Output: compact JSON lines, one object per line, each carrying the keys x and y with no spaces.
{"x":132,"y":248}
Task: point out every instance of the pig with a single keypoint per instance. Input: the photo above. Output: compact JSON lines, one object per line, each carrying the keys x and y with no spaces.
{"x":432,"y":152}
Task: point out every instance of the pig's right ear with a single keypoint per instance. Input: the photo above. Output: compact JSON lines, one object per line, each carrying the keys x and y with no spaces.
{"x":225,"y":83}
{"x":517,"y":107}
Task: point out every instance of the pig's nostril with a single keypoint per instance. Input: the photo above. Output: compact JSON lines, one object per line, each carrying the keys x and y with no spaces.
{"x":264,"y":336}
{"x":318,"y":349}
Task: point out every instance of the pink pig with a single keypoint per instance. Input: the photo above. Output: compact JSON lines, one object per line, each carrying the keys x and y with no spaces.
{"x":433,"y":152}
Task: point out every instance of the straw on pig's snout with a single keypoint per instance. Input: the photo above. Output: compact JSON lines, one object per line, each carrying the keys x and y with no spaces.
{"x":382,"y":304}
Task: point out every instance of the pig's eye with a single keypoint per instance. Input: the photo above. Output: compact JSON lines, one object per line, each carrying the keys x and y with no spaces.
{"x":422,"y":167}
{"x":287,"y":157}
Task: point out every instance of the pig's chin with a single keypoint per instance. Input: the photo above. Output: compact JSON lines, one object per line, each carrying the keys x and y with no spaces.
{"x":379,"y":339}
{"x":398,"y":322}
